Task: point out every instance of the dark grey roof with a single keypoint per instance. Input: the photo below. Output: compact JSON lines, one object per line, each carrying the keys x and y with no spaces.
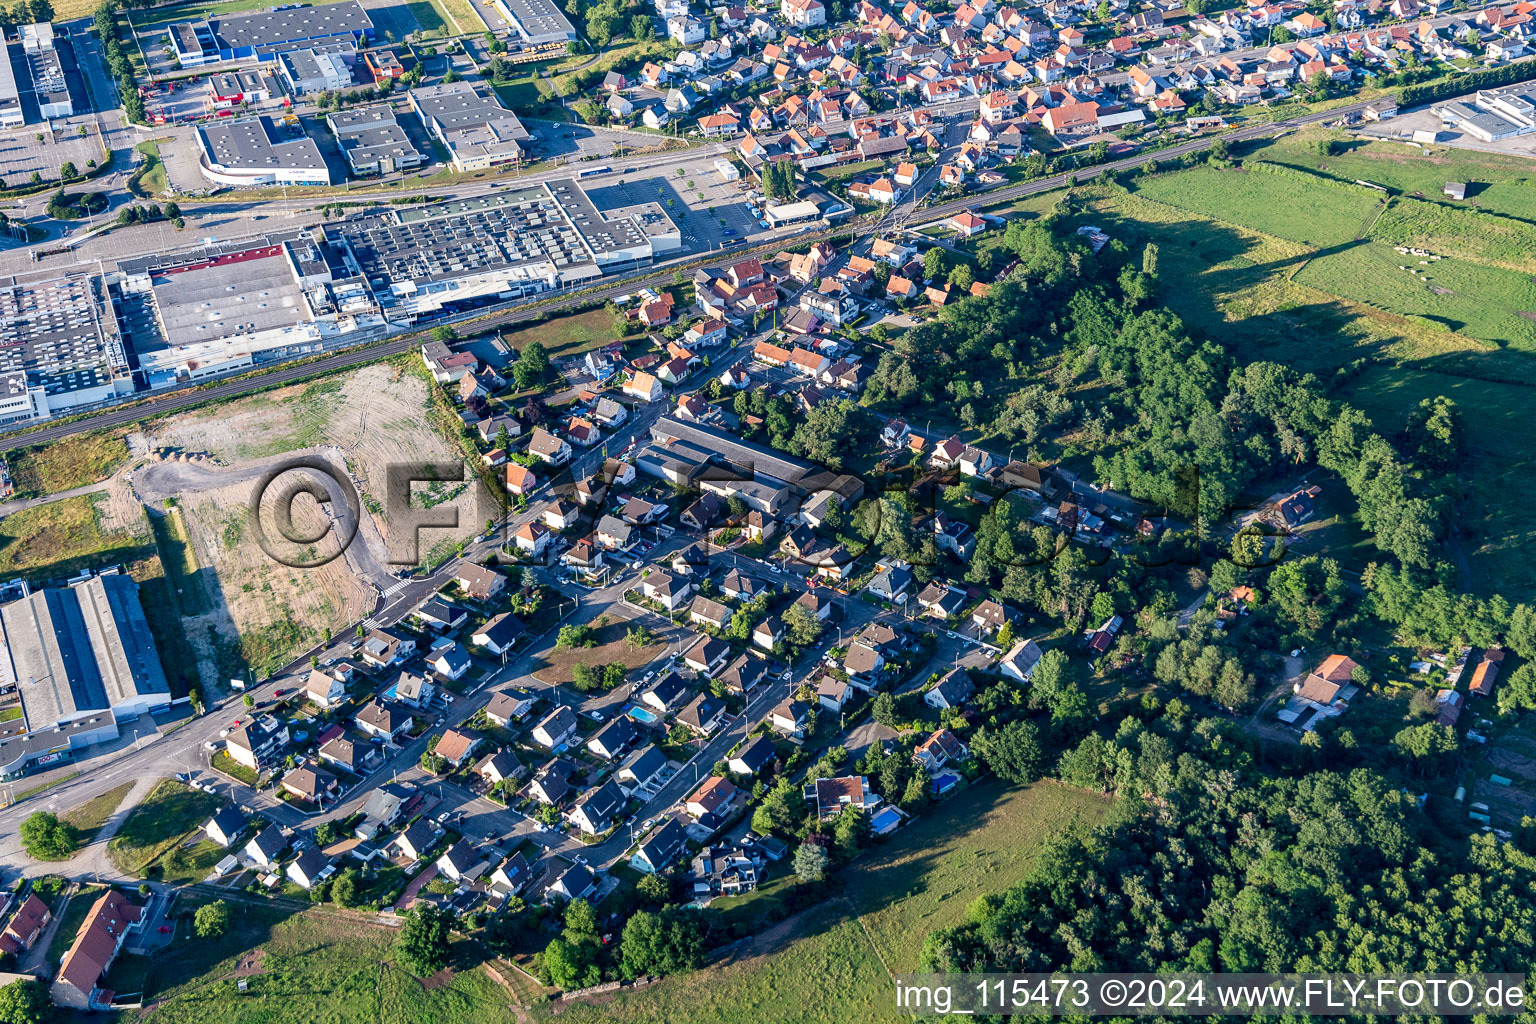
{"x":664,"y":844}
{"x":758,"y":752}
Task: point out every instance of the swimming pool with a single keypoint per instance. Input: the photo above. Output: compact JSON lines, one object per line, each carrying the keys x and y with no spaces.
{"x":640,"y":714}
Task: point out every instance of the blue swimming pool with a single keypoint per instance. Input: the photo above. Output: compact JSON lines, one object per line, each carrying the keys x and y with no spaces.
{"x":640,"y":714}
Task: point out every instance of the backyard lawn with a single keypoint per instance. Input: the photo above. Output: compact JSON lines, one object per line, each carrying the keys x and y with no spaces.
{"x":321,"y":965}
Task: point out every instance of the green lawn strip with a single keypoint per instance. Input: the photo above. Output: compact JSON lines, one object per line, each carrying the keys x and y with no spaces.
{"x":1467,"y":298}
{"x":90,"y":816}
{"x":168,"y":814}
{"x":1498,"y":182}
{"x":829,"y":976}
{"x":229,"y":766}
{"x":338,"y":967}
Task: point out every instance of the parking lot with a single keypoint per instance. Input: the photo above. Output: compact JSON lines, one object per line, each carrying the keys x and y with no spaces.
{"x":706,"y":224}
{"x":22,"y":153}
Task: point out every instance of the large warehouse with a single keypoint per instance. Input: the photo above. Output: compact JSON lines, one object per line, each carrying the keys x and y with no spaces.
{"x":262,"y":35}
{"x":81,"y":659}
{"x":60,"y":346}
{"x":426,"y":261}
{"x":251,"y":151}
{"x":225,"y":307}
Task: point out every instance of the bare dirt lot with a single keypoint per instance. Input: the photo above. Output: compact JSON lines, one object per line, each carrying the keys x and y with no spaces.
{"x":271,"y":611}
{"x":554,"y":666}
{"x":377,"y":416}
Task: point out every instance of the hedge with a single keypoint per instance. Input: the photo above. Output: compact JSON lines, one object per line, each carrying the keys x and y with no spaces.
{"x":1489,"y":78}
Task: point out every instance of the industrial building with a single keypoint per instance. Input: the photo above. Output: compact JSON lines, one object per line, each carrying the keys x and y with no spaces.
{"x":60,"y":346}
{"x":536,"y":21}
{"x":40,"y":92}
{"x":373,"y":140}
{"x":471,"y":123}
{"x":81,"y":659}
{"x":252,"y":151}
{"x":224,"y":307}
{"x":427,"y":261}
{"x":1493,"y":115}
{"x":317,"y":69}
{"x":262,"y":35}
{"x":692,"y":455}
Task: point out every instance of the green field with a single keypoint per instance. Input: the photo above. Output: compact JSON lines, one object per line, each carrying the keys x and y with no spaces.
{"x":67,"y":463}
{"x":56,"y":540}
{"x":1467,"y":298}
{"x":1468,"y":234}
{"x":318,"y":966}
{"x":1503,"y":184}
{"x":1275,"y":204}
{"x":981,"y":841}
{"x":155,"y":826}
{"x":569,"y":335}
{"x":1494,"y":505}
{"x":835,"y":965}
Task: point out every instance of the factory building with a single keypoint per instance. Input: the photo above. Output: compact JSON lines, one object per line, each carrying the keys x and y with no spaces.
{"x":80,"y":659}
{"x":471,"y":123}
{"x":263,"y":35}
{"x":60,"y":346}
{"x":251,"y":151}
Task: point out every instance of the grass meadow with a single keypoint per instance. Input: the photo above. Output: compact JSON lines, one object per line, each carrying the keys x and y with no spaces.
{"x":832,"y":963}
{"x":1278,"y":205}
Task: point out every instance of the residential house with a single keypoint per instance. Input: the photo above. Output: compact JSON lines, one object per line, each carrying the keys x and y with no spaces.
{"x":499,"y":633}
{"x":1020,"y":660}
{"x":449,"y":660}
{"x":555,"y":728}
{"x":266,"y":848}
{"x":641,"y":768}
{"x":1330,"y":682}
{"x":988,"y":617}
{"x":833,"y":693}
{"x":511,"y":706}
{"x":381,"y":648}
{"x":357,"y":758}
{"x":576,"y":882}
{"x":376,"y":719}
{"x":707,"y":655}
{"x":461,"y":862}
{"x":612,"y":739}
{"x":599,"y":810}
{"x":829,"y":796}
{"x":941,"y":600}
{"x":311,"y":785}
{"x":520,"y":479}
{"x":502,"y":766}
{"x":706,"y":612}
{"x":755,"y":755}
{"x":418,"y":839}
{"x":227,"y":826}
{"x":863,"y":664}
{"x":323,"y":689}
{"x":702,"y":715}
{"x":952,"y":691}
{"x":712,"y":801}
{"x":789,"y":718}
{"x":257,"y":744}
{"x":415,"y":690}
{"x":111,"y":919}
{"x":743,"y":674}
{"x":666,"y":694}
{"x":25,"y":925}
{"x":940,"y":749}
{"x":456,"y":747}
{"x":479,"y":582}
{"x":310,"y":868}
{"x":645,"y":387}
{"x":661,"y":848}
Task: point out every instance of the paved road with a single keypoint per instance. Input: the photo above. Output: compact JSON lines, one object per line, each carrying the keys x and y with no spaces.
{"x":341,"y":360}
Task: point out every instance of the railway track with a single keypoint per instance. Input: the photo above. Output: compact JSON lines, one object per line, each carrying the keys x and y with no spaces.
{"x":176,"y":401}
